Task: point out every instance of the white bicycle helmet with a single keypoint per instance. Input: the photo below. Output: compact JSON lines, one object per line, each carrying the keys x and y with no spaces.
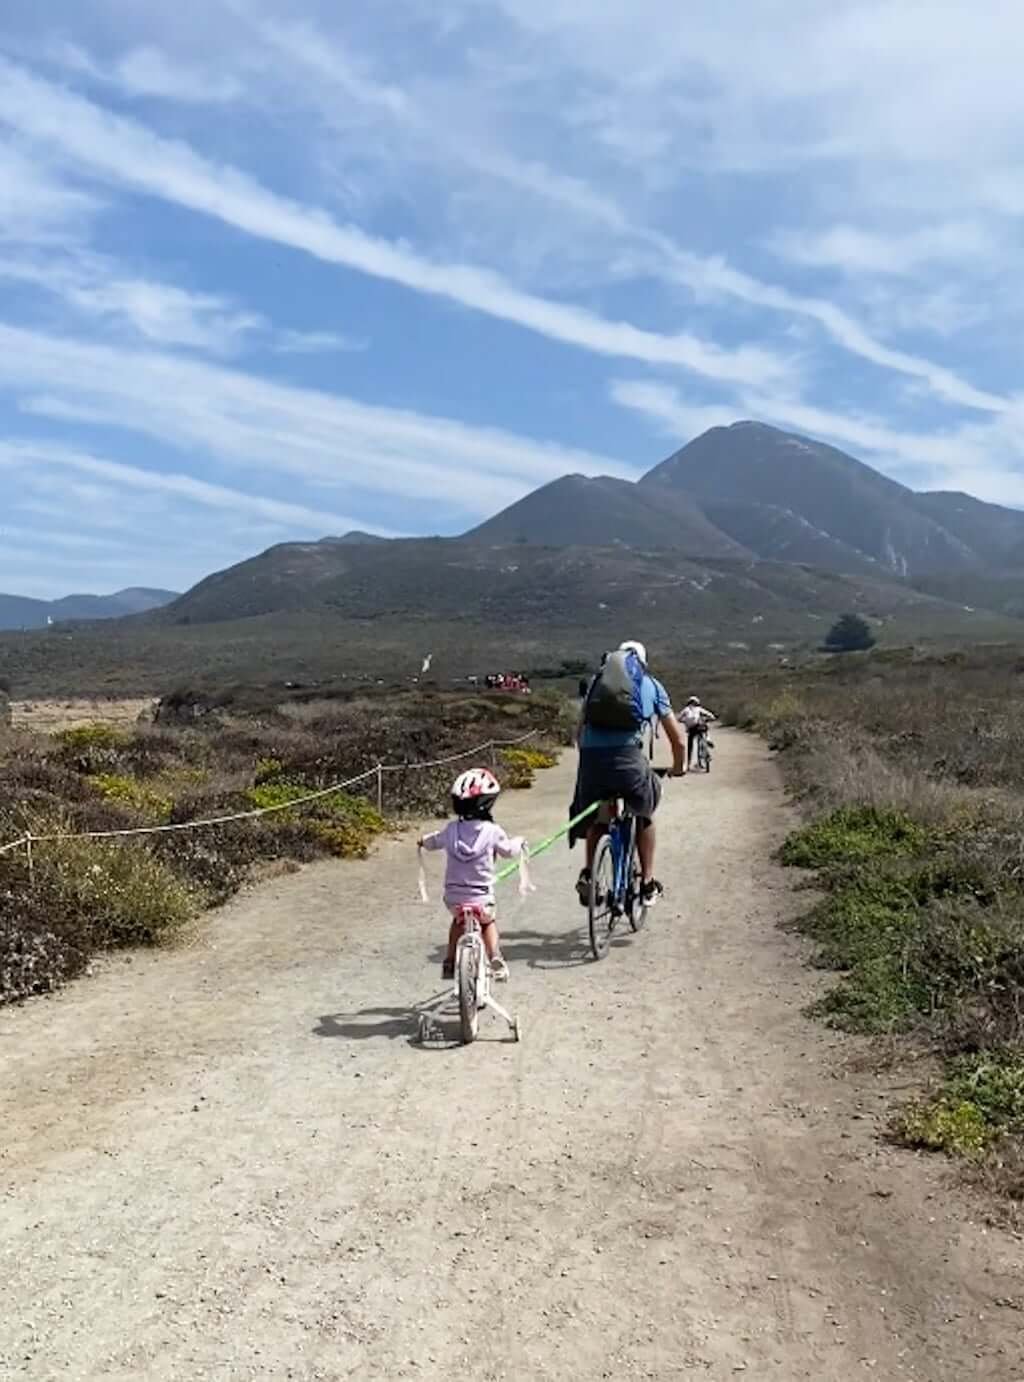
{"x":632,"y":646}
{"x":693,"y":700}
{"x":474,"y":784}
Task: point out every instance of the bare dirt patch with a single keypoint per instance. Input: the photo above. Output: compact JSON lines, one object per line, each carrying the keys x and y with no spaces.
{"x":47,"y":716}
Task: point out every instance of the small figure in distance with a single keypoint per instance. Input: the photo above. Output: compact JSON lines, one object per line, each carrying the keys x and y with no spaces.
{"x":696,"y":718}
{"x":471,"y":842}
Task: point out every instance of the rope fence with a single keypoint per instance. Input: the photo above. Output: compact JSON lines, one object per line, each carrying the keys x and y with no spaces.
{"x":27,"y":840}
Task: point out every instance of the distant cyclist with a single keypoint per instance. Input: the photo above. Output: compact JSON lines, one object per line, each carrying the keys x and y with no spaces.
{"x":621,"y":701}
{"x":695,"y":718}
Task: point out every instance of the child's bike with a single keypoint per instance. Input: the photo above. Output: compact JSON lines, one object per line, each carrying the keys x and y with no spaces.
{"x":704,"y":747}
{"x":473,"y":980}
{"x":616,"y":879}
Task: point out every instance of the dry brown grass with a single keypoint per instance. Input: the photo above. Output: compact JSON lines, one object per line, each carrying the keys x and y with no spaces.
{"x":46,"y":716}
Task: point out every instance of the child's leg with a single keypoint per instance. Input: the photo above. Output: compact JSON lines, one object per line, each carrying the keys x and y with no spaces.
{"x":454,"y":932}
{"x":492,"y":941}
{"x":492,"y":945}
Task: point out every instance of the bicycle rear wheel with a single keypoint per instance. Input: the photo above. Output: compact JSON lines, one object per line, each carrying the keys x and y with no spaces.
{"x":468,"y":963}
{"x":600,"y":915}
{"x":636,"y":907}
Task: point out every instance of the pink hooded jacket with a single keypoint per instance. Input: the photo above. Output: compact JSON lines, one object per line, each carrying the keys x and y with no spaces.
{"x":471,"y":847}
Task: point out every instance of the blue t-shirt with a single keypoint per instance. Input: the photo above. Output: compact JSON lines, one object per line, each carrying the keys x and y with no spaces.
{"x":655,"y":702}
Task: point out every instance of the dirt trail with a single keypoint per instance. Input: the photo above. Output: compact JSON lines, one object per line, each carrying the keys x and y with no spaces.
{"x":231,"y":1163}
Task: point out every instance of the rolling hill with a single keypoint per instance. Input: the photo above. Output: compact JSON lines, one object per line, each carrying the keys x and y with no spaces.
{"x":18,"y":612}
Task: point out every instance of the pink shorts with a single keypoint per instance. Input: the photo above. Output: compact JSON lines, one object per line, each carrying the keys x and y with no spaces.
{"x":484,"y":910}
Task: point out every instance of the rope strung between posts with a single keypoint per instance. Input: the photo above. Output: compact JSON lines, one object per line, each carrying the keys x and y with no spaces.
{"x":457,"y":757}
{"x":29,"y":838}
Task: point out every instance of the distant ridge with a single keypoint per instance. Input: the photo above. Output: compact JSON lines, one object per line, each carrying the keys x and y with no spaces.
{"x":20,"y":612}
{"x":745,"y":525}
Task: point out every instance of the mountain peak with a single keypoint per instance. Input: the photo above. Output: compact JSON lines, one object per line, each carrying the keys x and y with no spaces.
{"x":855,"y":513}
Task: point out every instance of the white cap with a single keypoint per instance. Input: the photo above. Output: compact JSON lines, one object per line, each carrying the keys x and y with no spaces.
{"x":631,"y":646}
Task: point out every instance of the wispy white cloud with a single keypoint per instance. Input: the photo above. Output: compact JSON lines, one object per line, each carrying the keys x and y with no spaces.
{"x":148,"y":72}
{"x":118,"y":477}
{"x":290,"y":342}
{"x":38,"y":205}
{"x":852,"y":250}
{"x":325,"y":72}
{"x":125,"y":151}
{"x":159,"y":313}
{"x":247,"y":421}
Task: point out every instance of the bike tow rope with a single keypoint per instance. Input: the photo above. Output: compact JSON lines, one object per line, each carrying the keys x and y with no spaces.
{"x":510,"y":869}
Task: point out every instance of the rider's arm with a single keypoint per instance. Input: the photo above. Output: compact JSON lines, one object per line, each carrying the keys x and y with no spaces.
{"x":436,"y":840}
{"x":675,"y":738}
{"x":507,"y":846}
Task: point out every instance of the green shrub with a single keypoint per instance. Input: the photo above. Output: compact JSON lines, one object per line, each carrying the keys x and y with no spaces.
{"x":944,"y":1125}
{"x":851,"y":835}
{"x":519,"y":765}
{"x":341,"y":824}
{"x":108,"y":893}
{"x":981,"y":1101}
{"x":530,"y":758}
{"x":137,"y":796}
{"x":82,"y":738}
{"x":919,"y":940}
{"x":92,"y":749}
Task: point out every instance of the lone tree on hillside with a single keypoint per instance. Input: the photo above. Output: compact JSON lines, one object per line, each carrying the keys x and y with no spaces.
{"x":849,"y":634}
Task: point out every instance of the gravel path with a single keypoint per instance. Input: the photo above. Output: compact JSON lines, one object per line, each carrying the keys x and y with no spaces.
{"x":231,"y":1162}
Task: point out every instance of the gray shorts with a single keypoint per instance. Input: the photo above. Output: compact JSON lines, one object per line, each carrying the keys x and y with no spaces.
{"x":606,"y":774}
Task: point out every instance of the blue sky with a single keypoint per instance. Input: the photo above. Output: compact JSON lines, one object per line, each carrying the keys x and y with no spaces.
{"x":271,"y":269}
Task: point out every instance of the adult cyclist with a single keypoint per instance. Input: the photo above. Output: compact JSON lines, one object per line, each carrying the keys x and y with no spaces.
{"x":696,"y":718}
{"x":621,"y":701}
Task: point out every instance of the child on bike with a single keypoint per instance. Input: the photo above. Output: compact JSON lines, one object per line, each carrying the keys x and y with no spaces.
{"x":472,"y":842}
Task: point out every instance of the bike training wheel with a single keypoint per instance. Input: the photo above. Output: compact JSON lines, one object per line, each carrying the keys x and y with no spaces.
{"x":601,"y":900}
{"x":468,"y":968}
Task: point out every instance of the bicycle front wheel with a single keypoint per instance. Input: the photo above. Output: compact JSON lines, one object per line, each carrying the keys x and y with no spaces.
{"x":468,"y":970}
{"x":600,"y":913}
